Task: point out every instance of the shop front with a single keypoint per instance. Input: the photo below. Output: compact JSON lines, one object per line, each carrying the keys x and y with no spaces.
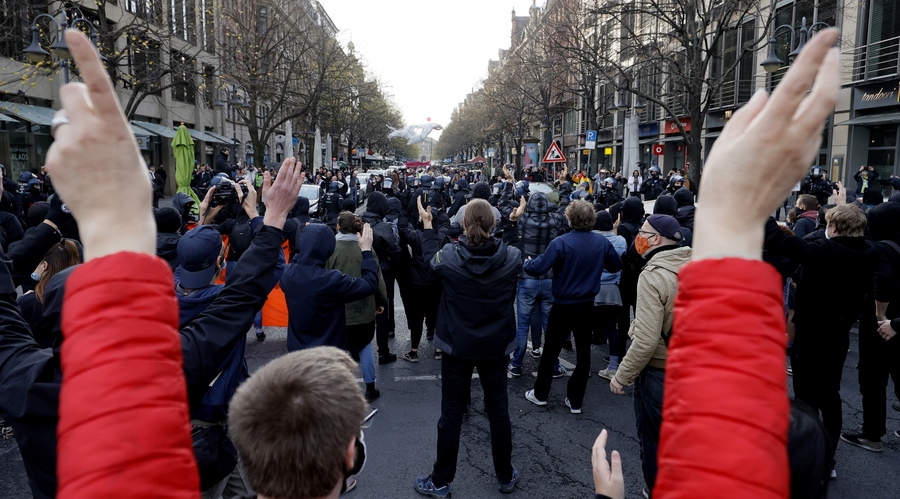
{"x":676,"y":151}
{"x":26,"y":140}
{"x":874,"y":132}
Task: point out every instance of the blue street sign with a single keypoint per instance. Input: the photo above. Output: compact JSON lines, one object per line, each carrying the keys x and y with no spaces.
{"x":590,"y":136}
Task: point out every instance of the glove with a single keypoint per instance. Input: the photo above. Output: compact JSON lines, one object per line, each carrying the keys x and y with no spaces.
{"x":58,"y":213}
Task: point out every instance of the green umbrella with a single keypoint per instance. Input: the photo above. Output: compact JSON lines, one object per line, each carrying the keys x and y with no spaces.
{"x":183,"y":148}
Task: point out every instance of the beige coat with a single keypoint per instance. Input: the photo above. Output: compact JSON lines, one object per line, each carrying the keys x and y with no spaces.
{"x":656,"y":289}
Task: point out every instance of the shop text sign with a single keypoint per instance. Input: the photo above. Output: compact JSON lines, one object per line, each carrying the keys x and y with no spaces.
{"x":874,"y":96}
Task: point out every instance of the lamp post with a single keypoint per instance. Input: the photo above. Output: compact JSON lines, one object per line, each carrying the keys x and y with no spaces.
{"x":773,"y":63}
{"x":36,"y":54}
{"x":238,"y":104}
{"x":630,"y":149}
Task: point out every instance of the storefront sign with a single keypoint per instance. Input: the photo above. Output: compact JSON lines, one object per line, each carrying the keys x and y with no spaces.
{"x":143,"y":142}
{"x":648,"y":129}
{"x":672,"y":126}
{"x":659,"y":149}
{"x":18,"y":156}
{"x":874,"y":96}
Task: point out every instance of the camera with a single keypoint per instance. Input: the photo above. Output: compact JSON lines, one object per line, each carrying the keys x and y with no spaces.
{"x":226,"y":193}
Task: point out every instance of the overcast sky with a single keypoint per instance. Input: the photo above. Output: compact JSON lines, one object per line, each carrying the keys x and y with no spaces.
{"x":427,"y":53}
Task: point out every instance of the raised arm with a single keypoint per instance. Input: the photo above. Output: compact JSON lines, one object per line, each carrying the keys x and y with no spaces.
{"x":729,"y":334}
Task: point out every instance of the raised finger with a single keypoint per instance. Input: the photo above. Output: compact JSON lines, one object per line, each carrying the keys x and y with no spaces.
{"x":76,"y":101}
{"x":793,"y":88}
{"x":616,"y":461}
{"x":100,"y":87}
{"x":822,"y":98}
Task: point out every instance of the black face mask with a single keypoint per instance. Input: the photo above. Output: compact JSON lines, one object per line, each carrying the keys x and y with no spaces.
{"x":359,"y":461}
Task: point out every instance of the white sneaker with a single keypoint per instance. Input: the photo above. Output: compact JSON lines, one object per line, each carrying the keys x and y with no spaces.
{"x":607,"y":374}
{"x":572,"y":409}
{"x":536,"y":353}
{"x":833,"y":475}
{"x":529,"y":395}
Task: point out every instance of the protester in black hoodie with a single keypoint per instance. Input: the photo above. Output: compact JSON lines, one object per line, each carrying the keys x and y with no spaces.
{"x":476,"y":329}
{"x":879,"y":352}
{"x":686,"y":209}
{"x":298,"y":218}
{"x":385,"y":243}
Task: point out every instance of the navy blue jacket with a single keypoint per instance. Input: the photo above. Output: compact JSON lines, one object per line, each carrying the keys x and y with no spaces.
{"x":578,"y":260}
{"x":316,"y":296}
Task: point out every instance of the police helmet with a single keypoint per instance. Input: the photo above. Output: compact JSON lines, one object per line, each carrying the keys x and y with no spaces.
{"x":461,"y":185}
{"x":655,"y":170}
{"x":438,"y":184}
{"x":426,"y":180}
{"x":815,"y":173}
{"x":334,"y":186}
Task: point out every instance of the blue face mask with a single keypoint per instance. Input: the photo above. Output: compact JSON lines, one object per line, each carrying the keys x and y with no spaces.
{"x":36,"y":276}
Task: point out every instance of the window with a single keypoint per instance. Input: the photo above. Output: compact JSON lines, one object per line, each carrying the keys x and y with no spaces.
{"x":15,"y":26}
{"x":208,"y":20}
{"x":148,"y":10}
{"x":209,"y":86}
{"x":736,"y":75}
{"x":882,"y":38}
{"x":792,"y":14}
{"x":183,"y":17}
{"x":263,"y":21}
{"x":557,"y":126}
{"x":144,"y":65}
{"x":183,"y":88}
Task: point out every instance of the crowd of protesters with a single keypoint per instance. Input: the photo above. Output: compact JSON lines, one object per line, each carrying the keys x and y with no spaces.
{"x":118,"y":383}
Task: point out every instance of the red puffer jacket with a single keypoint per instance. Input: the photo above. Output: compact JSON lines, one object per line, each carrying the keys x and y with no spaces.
{"x":124,"y":427}
{"x":726,"y":410}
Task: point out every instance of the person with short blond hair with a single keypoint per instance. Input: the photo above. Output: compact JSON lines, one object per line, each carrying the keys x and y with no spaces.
{"x":296,"y":422}
{"x":848,"y":220}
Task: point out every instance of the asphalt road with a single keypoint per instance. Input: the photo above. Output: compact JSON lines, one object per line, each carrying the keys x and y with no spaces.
{"x":551,"y":447}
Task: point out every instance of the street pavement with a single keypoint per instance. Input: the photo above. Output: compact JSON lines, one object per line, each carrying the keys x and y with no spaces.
{"x":551,"y":447}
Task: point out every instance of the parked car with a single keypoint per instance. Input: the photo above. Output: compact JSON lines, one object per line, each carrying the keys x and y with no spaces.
{"x":313,"y":193}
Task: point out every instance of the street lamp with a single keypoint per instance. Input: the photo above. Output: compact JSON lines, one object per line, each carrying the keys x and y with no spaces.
{"x":233,"y":102}
{"x":773,"y":63}
{"x":36,"y":54}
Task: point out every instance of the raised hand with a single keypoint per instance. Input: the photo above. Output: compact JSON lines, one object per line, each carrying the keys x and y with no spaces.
{"x":111,"y":199}
{"x":778,"y":136}
{"x":282,"y":194}
{"x":608,"y":480}
{"x":424,"y":213}
{"x":365,"y":239}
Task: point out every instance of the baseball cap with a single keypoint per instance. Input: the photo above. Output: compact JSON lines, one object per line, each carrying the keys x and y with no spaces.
{"x":666,"y":225}
{"x":197,"y":253}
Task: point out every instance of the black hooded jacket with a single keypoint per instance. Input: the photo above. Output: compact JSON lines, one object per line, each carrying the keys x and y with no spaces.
{"x":686,"y":209}
{"x":316,"y":296}
{"x":298,"y":217}
{"x":536,"y":228}
{"x":632,"y":218}
{"x":384,"y":242}
{"x":476,"y":319}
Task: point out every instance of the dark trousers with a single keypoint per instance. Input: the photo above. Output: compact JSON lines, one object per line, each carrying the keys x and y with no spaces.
{"x":818,"y":364}
{"x":384,"y":322}
{"x":537,"y":326}
{"x":566,"y":318}
{"x":648,"y":404}
{"x":421,"y":302}
{"x":607,"y":316}
{"x":878,"y":360}
{"x":456,"y":387}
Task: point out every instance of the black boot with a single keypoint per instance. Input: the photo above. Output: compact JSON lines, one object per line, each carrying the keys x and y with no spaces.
{"x":372,"y":393}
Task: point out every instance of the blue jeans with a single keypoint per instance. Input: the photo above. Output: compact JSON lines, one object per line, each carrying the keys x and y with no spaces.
{"x":529,"y":292}
{"x":367,"y":363}
{"x":648,"y":403}
{"x":353,"y":195}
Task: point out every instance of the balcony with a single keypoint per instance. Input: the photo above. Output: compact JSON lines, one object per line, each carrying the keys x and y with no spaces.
{"x":876,"y":60}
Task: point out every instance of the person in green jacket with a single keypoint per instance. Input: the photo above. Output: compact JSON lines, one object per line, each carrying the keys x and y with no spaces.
{"x":347,"y":258}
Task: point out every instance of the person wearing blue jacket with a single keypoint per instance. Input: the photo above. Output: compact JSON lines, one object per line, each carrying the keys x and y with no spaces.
{"x":578,"y":260}
{"x":316,"y":296}
{"x":608,"y":302}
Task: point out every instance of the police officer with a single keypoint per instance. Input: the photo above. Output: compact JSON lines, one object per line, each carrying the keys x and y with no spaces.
{"x":332,"y":204}
{"x":816,"y":185}
{"x":653,"y":186}
{"x":461,"y":196}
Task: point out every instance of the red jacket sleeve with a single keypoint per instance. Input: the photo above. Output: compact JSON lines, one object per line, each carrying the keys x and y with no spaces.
{"x":124,"y":427}
{"x":726,"y":410}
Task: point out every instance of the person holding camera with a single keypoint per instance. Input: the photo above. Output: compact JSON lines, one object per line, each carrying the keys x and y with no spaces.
{"x":865,"y":179}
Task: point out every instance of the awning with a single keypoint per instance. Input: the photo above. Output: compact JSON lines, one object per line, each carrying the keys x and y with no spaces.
{"x":33,"y":114}
{"x":648,"y":140}
{"x":710,"y":135}
{"x":161,"y":130}
{"x":4,"y":117}
{"x":873,"y":119}
{"x":672,"y":138}
{"x":136,"y":130}
{"x":198,"y":135}
{"x":223,"y":139}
